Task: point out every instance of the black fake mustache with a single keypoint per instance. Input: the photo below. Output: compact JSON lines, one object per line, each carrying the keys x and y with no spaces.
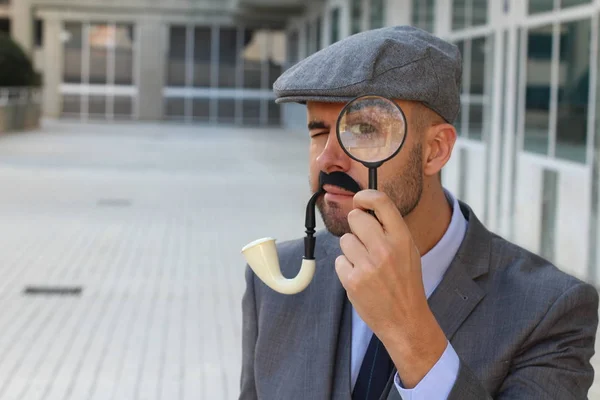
{"x":339,"y":179}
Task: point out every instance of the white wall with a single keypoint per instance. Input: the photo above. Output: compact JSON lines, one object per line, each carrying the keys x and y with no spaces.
{"x":451,"y":172}
{"x":528,"y":204}
{"x":475,"y":180}
{"x":469,"y":187}
{"x":572,"y":219}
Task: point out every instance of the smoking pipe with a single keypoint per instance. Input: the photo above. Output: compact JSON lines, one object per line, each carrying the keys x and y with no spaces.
{"x":261,"y":255}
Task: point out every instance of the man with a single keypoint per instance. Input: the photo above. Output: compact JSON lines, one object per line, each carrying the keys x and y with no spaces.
{"x":419,"y":301}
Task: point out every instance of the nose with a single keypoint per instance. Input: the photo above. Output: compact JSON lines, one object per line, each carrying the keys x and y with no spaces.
{"x":333,"y":158}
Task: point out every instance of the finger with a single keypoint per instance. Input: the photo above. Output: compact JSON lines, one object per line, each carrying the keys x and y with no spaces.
{"x":354,"y":250}
{"x":386,"y":211}
{"x":344,"y":270}
{"x":366,"y":228}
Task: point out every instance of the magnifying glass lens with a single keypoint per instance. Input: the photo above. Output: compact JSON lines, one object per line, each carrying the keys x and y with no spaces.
{"x":371,"y":129}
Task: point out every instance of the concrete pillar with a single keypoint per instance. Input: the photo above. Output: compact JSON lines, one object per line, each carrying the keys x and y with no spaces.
{"x":151,"y":63}
{"x":53,"y":65}
{"x":365,"y":16}
{"x":22,"y":24}
{"x":398,"y":12}
{"x":345,"y":19}
{"x":443,"y":18}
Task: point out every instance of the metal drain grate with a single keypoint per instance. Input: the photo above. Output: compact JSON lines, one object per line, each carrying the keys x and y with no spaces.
{"x":53,"y":290}
{"x":114,"y":203}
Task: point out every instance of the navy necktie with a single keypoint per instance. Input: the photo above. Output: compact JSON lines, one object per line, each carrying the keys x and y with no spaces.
{"x":375,"y":371}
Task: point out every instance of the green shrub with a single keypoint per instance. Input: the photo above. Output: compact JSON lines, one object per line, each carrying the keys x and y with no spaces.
{"x":16,"y":69}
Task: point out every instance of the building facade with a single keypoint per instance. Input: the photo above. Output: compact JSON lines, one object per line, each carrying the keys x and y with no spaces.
{"x":528,"y":156}
{"x":208,"y":61}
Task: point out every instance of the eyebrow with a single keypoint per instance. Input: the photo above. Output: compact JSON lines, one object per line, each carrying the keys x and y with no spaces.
{"x":317,"y":125}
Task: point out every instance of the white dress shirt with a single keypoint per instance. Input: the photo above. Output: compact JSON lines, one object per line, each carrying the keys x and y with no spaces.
{"x":438,"y":383}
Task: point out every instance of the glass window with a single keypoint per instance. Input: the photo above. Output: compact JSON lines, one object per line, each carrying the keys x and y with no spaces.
{"x":571,"y":3}
{"x":100,"y":38}
{"x":318,"y":41}
{"x":246,"y":58}
{"x":423,"y":12}
{"x":201,"y":109}
{"x":308,"y":43}
{"x":335,"y":25}
{"x":377,"y":14}
{"x":252,"y":54}
{"x":228,"y":55}
{"x":292,"y":48}
{"x":469,"y":13}
{"x":573,"y":90}
{"x":177,"y":56}
{"x":5,"y":25}
{"x":251,"y":112}
{"x":276,"y":49}
{"x":123,"y":106}
{"x":97,"y":105}
{"x":538,"y":6}
{"x":38,"y":32}
{"x":355,"y":16}
{"x":175,"y":107}
{"x":478,"y":56}
{"x":537,"y":92}
{"x":124,"y":43}
{"x":226,"y":111}
{"x":71,"y":104}
{"x":459,"y":12}
{"x":479,"y":13}
{"x":73,"y":50}
{"x":202,"y":53}
{"x":274,"y":110}
{"x":474,"y":120}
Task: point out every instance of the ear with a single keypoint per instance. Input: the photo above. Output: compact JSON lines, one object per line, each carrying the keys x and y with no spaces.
{"x":439,"y":144}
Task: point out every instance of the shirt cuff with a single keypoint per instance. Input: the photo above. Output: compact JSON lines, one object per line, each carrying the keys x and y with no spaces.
{"x":438,"y":382}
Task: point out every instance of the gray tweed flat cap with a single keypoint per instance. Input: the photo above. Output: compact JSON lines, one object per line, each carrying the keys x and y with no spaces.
{"x":399,"y":62}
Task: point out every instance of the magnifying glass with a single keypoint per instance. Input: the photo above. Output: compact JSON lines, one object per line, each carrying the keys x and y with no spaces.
{"x":371,"y":129}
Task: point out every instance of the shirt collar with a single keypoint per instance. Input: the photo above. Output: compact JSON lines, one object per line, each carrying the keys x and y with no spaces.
{"x":437,"y":260}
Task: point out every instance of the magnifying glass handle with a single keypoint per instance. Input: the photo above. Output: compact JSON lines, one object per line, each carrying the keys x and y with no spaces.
{"x":372,"y":183}
{"x":373,"y":178}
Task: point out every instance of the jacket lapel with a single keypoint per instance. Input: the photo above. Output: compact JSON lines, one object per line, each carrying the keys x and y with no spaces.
{"x":458,"y":293}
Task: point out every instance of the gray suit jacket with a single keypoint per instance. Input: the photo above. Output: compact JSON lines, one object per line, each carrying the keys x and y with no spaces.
{"x":522,"y":328}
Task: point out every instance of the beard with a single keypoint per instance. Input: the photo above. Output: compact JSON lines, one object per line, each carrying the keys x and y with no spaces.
{"x":404,"y":190}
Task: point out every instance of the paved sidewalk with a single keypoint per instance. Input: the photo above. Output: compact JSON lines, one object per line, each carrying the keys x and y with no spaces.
{"x":148,"y":220}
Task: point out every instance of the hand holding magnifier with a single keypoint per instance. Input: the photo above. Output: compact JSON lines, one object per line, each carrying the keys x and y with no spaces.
{"x":371,"y":130}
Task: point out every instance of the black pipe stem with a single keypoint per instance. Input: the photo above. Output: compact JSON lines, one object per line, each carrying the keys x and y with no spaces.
{"x":372,"y":183}
{"x":310,"y":223}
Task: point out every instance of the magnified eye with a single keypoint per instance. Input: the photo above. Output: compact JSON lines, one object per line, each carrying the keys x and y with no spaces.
{"x":363,"y":129}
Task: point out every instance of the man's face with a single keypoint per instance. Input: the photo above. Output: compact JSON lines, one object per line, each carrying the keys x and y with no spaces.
{"x":401,"y":177}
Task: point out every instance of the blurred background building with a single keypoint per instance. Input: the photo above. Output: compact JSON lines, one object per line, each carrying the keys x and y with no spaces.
{"x":527,"y":159}
{"x":211,"y":60}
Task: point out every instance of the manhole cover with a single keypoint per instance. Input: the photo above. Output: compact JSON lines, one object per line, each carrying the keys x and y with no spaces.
{"x":114,"y":203}
{"x":53,"y":290}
